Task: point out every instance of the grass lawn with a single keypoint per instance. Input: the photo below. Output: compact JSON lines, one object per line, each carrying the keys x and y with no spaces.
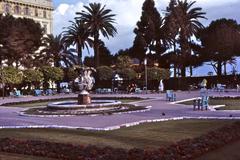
{"x":143,"y":136}
{"x":11,"y":156}
{"x":228,"y":152}
{"x":231,"y":104}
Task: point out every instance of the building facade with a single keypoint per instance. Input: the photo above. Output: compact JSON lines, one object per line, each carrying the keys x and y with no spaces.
{"x":39,"y":10}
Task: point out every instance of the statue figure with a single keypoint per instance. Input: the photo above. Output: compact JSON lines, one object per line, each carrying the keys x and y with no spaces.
{"x":86,"y":81}
{"x":161,"y":86}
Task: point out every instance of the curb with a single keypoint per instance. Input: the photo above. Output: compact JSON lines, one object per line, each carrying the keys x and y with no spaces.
{"x":126,"y":125}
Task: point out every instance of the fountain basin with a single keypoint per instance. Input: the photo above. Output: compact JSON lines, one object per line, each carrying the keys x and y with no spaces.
{"x":75,"y":105}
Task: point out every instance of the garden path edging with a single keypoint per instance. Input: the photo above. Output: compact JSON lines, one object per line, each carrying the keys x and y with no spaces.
{"x":118,"y":126}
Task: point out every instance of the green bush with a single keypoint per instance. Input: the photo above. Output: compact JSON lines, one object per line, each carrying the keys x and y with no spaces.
{"x":156,"y":73}
{"x":11,"y":75}
{"x":72,"y":74}
{"x":32,"y":76}
{"x":52,"y":73}
{"x":127,"y":73}
{"x":104,"y":73}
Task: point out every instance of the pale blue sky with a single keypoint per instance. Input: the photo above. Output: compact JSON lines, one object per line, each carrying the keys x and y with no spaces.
{"x":128,"y":12}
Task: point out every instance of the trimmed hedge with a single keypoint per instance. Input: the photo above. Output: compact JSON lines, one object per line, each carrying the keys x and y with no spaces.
{"x":183,"y":150}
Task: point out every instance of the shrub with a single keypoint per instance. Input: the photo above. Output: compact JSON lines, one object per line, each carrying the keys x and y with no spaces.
{"x":11,"y":75}
{"x":104,"y":73}
{"x":52,"y":73}
{"x":156,"y":73}
{"x":127,"y":73}
{"x":32,"y":76}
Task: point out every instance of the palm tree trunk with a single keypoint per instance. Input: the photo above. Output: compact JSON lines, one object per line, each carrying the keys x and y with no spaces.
{"x":225,"y":68}
{"x":175,"y":71}
{"x":183,"y":71}
{"x":219,"y":68}
{"x":191,"y":71}
{"x":79,"y":52}
{"x":96,"y":49}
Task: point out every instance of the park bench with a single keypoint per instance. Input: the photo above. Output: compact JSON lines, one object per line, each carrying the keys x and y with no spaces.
{"x":170,"y":96}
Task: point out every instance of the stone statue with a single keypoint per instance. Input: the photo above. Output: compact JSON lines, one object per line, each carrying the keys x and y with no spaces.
{"x":86,"y":81}
{"x":161,"y":86}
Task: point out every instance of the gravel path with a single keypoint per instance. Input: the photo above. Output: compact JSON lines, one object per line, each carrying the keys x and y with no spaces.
{"x":10,"y":117}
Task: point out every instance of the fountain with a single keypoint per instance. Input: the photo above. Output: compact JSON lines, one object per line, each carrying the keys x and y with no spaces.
{"x":85,"y":83}
{"x":84,"y":105}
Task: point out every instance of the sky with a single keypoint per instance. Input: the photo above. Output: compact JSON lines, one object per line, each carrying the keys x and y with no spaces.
{"x":128,"y":12}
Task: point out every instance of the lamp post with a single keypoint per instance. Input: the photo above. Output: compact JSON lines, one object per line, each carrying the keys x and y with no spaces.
{"x":2,"y":75}
{"x":146,"y":79}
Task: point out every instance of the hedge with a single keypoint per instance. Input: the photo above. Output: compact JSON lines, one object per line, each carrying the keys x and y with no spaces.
{"x":187,"y":149}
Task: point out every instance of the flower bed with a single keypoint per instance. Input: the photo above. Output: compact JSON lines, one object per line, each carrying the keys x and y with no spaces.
{"x":107,"y":110}
{"x":70,"y":98}
{"x":183,"y":150}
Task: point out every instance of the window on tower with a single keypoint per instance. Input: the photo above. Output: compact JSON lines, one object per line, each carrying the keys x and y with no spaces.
{"x":26,"y":11}
{"x":7,"y":8}
{"x":45,"y":28}
{"x":36,"y":12}
{"x":17,"y":10}
{"x":44,"y":14}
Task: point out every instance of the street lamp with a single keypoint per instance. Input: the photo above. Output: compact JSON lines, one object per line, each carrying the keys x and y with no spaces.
{"x":2,"y":76}
{"x":146,"y":79}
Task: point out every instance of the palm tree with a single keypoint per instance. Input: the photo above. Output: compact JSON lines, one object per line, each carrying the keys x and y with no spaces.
{"x":78,"y":34}
{"x":99,"y":20}
{"x":55,"y":52}
{"x":187,"y":18}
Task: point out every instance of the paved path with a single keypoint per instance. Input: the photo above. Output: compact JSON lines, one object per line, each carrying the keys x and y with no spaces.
{"x":10,"y":116}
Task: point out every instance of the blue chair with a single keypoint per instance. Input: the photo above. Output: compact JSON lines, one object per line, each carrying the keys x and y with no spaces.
{"x":170,"y":96}
{"x":18,"y":93}
{"x":37,"y":92}
{"x":49,"y":92}
{"x":138,"y":90}
{"x":204,"y":102}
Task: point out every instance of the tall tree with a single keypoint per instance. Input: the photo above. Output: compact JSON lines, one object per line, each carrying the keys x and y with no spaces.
{"x":78,"y":34}
{"x":55,"y":52}
{"x":220,"y":42}
{"x":171,"y":32}
{"x":105,"y":54}
{"x":22,"y":41}
{"x":188,"y":19}
{"x":99,"y":20}
{"x":149,"y":31}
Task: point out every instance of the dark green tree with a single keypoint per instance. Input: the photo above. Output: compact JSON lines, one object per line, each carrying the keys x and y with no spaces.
{"x":188,"y":19}
{"x":219,"y":43}
{"x":99,"y":20}
{"x":22,"y":41}
{"x":104,"y":73}
{"x":78,"y":34}
{"x":148,"y":31}
{"x":55,"y":52}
